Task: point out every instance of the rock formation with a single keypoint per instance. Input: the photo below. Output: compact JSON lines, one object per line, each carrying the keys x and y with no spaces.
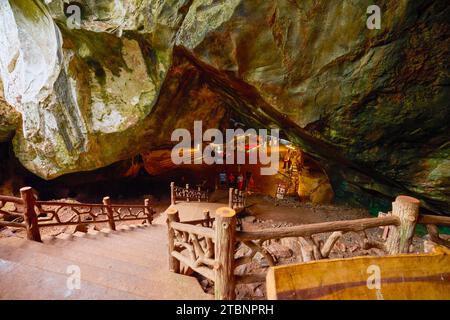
{"x":372,"y":106}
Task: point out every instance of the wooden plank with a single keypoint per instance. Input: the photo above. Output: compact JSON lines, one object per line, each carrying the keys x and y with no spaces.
{"x":310,"y":229}
{"x":406,"y":276}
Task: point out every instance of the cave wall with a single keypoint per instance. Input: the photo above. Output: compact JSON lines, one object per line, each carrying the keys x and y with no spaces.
{"x":372,"y":106}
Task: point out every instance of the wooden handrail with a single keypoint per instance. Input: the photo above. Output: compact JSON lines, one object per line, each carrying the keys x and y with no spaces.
{"x":11,"y":199}
{"x":436,"y":220}
{"x":198,"y":221}
{"x":89,"y":205}
{"x":69,"y":204}
{"x":204,"y":271}
{"x":310,"y":229}
{"x":30,"y":208}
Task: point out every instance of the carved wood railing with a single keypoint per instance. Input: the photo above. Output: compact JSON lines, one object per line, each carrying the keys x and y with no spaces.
{"x":190,"y":242}
{"x":187,"y":194}
{"x":87,"y":213}
{"x":39,"y":214}
{"x":310,"y":247}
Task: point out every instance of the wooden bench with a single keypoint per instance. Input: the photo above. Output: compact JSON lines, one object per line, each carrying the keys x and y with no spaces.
{"x":406,"y":276}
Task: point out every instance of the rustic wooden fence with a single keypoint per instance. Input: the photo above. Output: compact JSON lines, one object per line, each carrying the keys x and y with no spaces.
{"x":236,"y":199}
{"x":37,"y":214}
{"x":208,"y":246}
{"x":187,"y":194}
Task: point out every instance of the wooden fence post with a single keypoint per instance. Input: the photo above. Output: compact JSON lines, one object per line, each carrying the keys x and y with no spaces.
{"x":109,"y":213}
{"x":224,"y":284}
{"x":30,"y":216}
{"x":172,"y":193}
{"x":172,"y":216}
{"x":399,"y":238}
{"x":148,"y":211}
{"x":230,"y":198}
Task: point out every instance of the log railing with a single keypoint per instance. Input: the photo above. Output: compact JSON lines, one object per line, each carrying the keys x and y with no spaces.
{"x":236,"y":199}
{"x":191,"y":242}
{"x":432,"y":223}
{"x":39,"y":214}
{"x":187,"y":194}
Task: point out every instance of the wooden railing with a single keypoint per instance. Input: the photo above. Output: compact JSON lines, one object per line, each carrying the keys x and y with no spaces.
{"x":39,"y":214}
{"x":236,"y":199}
{"x":208,"y":246}
{"x":187,"y":194}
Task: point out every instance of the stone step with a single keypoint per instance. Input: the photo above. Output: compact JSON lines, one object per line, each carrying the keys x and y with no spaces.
{"x":130,"y":263}
{"x":146,"y":246}
{"x":95,"y":260}
{"x":124,"y":252}
{"x":158,"y":287}
{"x":123,"y":240}
{"x":18,"y":281}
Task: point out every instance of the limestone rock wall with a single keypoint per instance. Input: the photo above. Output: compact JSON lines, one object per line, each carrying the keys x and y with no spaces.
{"x":372,"y":106}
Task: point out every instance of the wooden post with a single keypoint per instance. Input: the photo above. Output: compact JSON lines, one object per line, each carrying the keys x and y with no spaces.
{"x":199,"y":194}
{"x":230,"y":198}
{"x":148,"y":211}
{"x":30,"y":216}
{"x":109,"y":213}
{"x":187,"y":192}
{"x":224,"y":283}
{"x":241,"y":199}
{"x":172,"y":193}
{"x":399,"y":238}
{"x":172,"y":216}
